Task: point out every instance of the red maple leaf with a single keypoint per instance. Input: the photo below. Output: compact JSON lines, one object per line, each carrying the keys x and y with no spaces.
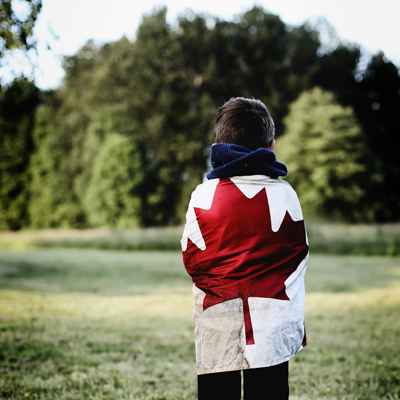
{"x":243,"y":256}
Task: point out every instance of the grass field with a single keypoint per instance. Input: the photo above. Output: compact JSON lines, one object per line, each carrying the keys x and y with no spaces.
{"x":326,"y":238}
{"x":101,"y":324}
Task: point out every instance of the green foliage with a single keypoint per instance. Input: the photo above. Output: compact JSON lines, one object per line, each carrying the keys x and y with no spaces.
{"x":162,"y":92}
{"x":172,"y":115}
{"x":258,"y":56}
{"x":16,"y":28}
{"x":17,"y":113}
{"x":54,"y":201}
{"x":327,"y":158}
{"x":144,"y":92}
{"x":113,"y":196}
{"x":377,"y":110}
{"x":374,"y":96}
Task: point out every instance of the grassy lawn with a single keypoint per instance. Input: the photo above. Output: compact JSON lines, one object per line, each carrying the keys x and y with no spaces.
{"x":326,"y":238}
{"x":100,"y":324}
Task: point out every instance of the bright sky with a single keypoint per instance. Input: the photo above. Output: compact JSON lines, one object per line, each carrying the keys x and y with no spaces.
{"x":375,"y":25}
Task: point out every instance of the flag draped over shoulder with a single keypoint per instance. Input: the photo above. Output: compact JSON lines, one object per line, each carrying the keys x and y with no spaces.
{"x":245,"y":247}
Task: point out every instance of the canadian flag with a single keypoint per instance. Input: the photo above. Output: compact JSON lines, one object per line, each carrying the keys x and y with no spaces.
{"x":245,"y":247}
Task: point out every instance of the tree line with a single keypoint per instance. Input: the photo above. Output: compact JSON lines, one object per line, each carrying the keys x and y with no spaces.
{"x":125,"y":138}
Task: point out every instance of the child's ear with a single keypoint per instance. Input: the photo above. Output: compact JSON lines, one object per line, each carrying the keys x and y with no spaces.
{"x":271,"y":147}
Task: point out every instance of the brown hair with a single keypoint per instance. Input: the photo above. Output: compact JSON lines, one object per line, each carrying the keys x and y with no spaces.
{"x":245,"y":122}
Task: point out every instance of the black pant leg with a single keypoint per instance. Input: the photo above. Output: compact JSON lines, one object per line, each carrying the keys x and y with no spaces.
{"x":219,"y":386}
{"x":270,"y":383}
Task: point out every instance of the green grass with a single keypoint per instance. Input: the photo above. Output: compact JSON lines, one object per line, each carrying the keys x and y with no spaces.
{"x":374,"y":239}
{"x":378,"y":239}
{"x":166,"y":238}
{"x":99,"y":324}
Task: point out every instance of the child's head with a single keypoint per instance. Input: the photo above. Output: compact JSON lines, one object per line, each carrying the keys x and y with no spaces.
{"x":245,"y":122}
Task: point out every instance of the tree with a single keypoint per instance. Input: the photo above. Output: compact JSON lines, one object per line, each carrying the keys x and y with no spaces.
{"x":18,"y":102}
{"x":16,"y":28}
{"x":113,"y":197}
{"x":172,"y":112}
{"x":162,"y":92}
{"x":54,"y":201}
{"x":141,"y":90}
{"x":17,"y":111}
{"x":328,"y":159}
{"x":373,"y":94}
{"x":377,"y":110}
{"x":258,"y":56}
{"x":69,"y":132}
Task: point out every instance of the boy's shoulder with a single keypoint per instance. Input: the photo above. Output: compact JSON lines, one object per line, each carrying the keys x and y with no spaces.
{"x":280,"y":194}
{"x":241,"y":192}
{"x":249,"y":183}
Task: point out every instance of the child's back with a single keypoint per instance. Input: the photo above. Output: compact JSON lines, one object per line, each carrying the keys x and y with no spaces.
{"x":245,"y":247}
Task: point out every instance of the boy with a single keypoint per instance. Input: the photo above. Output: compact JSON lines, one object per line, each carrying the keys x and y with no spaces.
{"x":245,"y":247}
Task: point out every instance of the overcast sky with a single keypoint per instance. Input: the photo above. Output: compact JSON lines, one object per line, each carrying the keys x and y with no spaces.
{"x":375,"y":25}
